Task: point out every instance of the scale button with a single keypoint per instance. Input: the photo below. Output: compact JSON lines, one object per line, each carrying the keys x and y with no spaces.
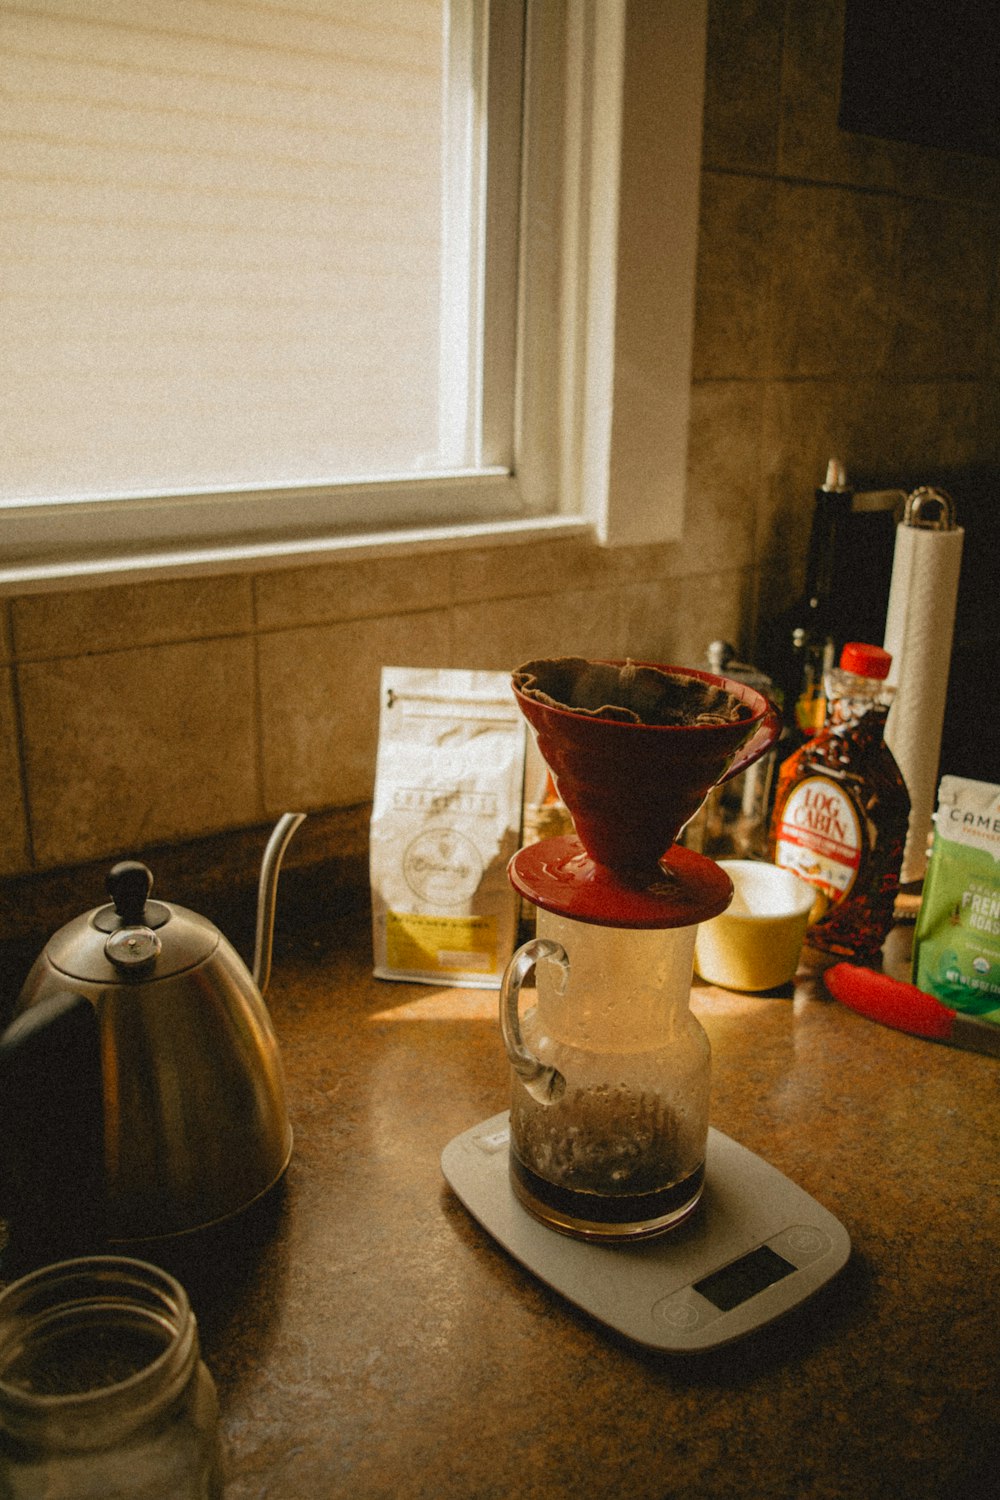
{"x":803,"y":1239}
{"x":494,"y":1140}
{"x":679,"y":1315}
{"x":679,"y":1310}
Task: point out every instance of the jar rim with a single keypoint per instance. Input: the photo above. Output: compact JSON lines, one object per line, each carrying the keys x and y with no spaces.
{"x":119,"y":1290}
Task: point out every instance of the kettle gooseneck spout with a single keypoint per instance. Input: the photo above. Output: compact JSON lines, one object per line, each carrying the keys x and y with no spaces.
{"x":266,"y":894}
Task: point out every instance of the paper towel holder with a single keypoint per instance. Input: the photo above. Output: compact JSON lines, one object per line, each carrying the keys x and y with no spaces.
{"x":930,"y":509}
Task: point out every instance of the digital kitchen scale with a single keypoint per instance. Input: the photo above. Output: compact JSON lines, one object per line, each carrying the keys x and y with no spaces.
{"x":756,"y":1247}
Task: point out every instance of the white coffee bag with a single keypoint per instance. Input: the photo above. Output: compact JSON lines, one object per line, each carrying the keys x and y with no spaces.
{"x":446,"y":820}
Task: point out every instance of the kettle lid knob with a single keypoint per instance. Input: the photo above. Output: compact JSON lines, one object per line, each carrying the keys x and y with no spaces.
{"x":129,"y":884}
{"x":134,"y":944}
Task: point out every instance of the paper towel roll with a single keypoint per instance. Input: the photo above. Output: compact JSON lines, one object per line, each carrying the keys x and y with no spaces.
{"x":920,"y":625}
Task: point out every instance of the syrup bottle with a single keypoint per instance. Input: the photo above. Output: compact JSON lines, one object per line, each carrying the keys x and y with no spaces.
{"x":841,"y":810}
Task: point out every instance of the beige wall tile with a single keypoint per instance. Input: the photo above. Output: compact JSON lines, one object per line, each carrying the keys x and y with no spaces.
{"x":498,"y":635}
{"x":353,"y":589}
{"x":654,"y":629}
{"x":883,"y":429}
{"x":578,"y":563}
{"x":131,"y":615}
{"x":833,"y":282}
{"x":989,"y":409}
{"x":320,"y":704}
{"x":743,"y":84}
{"x":13,"y":826}
{"x":716,"y":607}
{"x":724,"y":478}
{"x":506,"y":572}
{"x":675,"y":620}
{"x":942,"y":301}
{"x":650,"y":563}
{"x":135,"y":747}
{"x":736,"y":248}
{"x":804,"y":425}
{"x":941,"y":425}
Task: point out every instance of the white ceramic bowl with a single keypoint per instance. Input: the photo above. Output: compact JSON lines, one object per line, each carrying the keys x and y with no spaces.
{"x":755,"y":944}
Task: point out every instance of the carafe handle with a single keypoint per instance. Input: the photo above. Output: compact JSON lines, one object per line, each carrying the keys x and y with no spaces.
{"x":544,"y":1083}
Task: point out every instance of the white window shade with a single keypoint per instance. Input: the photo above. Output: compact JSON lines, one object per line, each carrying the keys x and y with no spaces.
{"x":286,"y":277}
{"x":240,"y":243}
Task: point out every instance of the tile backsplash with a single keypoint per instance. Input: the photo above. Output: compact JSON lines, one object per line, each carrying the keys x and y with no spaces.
{"x":847,"y":302}
{"x":143,"y":715}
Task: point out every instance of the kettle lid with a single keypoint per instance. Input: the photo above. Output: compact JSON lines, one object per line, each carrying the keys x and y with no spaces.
{"x":133,"y":939}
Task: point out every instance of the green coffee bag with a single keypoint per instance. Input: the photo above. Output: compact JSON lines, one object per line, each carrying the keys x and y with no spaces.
{"x":956,"y":946}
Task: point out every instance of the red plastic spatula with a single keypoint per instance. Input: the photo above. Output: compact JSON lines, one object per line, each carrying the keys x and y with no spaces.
{"x":900,"y":1005}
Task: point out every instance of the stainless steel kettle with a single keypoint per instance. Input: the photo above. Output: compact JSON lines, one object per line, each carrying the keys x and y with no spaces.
{"x":141,"y":1087}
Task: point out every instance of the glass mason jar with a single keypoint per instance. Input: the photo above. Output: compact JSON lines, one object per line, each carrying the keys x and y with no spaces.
{"x":103,"y":1394}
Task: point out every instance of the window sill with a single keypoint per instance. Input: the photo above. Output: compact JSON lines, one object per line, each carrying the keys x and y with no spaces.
{"x":95,"y":570}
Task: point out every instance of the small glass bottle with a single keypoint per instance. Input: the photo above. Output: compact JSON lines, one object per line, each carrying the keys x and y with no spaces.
{"x":797,"y":649}
{"x":103,"y":1394}
{"x":841,"y":810}
{"x":733,"y":820}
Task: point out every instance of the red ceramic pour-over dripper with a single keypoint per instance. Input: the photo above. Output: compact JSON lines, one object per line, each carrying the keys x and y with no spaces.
{"x":630,"y":787}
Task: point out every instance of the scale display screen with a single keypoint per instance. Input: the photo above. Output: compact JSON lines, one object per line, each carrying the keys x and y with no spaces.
{"x":744,"y":1278}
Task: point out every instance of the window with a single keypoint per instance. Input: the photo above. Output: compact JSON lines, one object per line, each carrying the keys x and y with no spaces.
{"x":282,"y":271}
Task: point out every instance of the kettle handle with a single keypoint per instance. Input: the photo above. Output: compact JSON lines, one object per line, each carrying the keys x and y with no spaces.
{"x":52,"y":1122}
{"x":267,"y":895}
{"x":544,"y":1083}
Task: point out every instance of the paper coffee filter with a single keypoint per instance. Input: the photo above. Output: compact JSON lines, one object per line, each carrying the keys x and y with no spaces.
{"x":920,"y":625}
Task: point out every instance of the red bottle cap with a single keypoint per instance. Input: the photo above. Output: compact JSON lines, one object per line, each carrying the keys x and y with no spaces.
{"x":865,"y":661}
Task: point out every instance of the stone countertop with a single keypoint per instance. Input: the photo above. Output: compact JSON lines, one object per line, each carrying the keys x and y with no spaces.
{"x":369,"y":1339}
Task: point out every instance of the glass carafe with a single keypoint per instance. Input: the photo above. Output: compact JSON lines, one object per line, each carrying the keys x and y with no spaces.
{"x":610,"y":1077}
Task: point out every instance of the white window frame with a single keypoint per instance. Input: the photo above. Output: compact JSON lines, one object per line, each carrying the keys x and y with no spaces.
{"x":573,"y":466}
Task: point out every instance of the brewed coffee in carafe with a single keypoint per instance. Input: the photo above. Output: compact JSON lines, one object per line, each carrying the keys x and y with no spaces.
{"x":611,"y":1137}
{"x":610,"y":1071}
